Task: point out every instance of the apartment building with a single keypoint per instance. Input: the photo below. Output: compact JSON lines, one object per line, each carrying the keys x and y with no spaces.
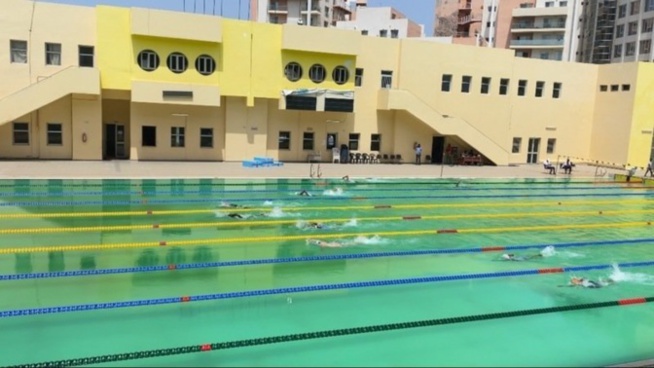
{"x":632,"y":39}
{"x":382,"y":22}
{"x":459,"y":19}
{"x":92,"y":83}
{"x":596,"y":31}
{"x":317,"y":13}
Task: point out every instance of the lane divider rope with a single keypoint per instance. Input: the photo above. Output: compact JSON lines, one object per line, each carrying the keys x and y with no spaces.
{"x":214,"y":241}
{"x":333,"y":257}
{"x":317,"y":208}
{"x":305,"y":198}
{"x":195,"y":225}
{"x":304,"y":289}
{"x":206,"y":347}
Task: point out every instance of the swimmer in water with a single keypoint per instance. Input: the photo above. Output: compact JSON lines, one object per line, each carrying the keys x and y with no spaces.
{"x":230,"y":205}
{"x":589,"y":284}
{"x":513,"y":257}
{"x":239,"y":216}
{"x":304,"y":193}
{"x":325,"y":244}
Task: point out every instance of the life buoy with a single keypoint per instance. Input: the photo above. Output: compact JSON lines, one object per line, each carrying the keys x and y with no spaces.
{"x":84,"y":137}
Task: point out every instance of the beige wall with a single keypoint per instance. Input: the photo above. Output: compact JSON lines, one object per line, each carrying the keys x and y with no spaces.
{"x":70,"y":26}
{"x":86,"y":125}
{"x":162,"y":117}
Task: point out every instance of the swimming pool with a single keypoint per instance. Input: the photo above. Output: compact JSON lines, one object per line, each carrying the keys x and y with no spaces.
{"x":91,"y":271}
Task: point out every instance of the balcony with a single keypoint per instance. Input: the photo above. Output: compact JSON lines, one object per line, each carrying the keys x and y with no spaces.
{"x":342,"y":5}
{"x":469,"y":19}
{"x":466,"y":6}
{"x":278,"y":8}
{"x":536,"y":43}
{"x":519,"y":26}
{"x":314,"y":9}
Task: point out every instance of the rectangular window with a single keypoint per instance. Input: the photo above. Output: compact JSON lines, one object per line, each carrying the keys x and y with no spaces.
{"x":645,"y":46}
{"x":354,"y":142}
{"x":86,"y":56}
{"x":551,"y":144}
{"x":516,"y":145}
{"x":21,"y":133}
{"x":364,"y":32}
{"x":358,"y":77}
{"x":626,"y":87}
{"x":604,"y":88}
{"x":540,"y":86}
{"x":647,"y":25}
{"x":485,"y":85}
{"x":284,"y":142}
{"x":619,"y":31}
{"x":504,"y":86}
{"x":622,"y":11}
{"x":383,"y":33}
{"x":52,"y":54}
{"x":446,"y":81}
{"x":18,"y":51}
{"x":206,"y":137}
{"x":556,"y":91}
{"x":522,"y":87}
{"x":307,"y":141}
{"x":466,"y":80}
{"x":177,"y":136}
{"x":617,"y":51}
{"x":633,"y":28}
{"x":375,"y":142}
{"x":649,"y":5}
{"x":395,"y":33}
{"x":386,"y":78}
{"x":630,"y":49}
{"x":55,"y":134}
{"x":634,"y":7}
{"x":615,"y":88}
{"x":148,"y":136}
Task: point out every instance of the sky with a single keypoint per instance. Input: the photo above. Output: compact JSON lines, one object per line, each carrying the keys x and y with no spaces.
{"x":421,"y":11}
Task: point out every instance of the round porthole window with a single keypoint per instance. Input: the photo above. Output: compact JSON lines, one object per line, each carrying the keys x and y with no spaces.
{"x":340,"y":75}
{"x":148,"y":60}
{"x":205,"y":65}
{"x":177,"y":62}
{"x":317,"y":73}
{"x":293,"y":71}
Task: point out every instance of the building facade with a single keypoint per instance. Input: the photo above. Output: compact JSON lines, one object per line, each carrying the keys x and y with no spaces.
{"x":87,"y":83}
{"x":633,"y":32}
{"x":316,"y":13}
{"x":382,"y":22}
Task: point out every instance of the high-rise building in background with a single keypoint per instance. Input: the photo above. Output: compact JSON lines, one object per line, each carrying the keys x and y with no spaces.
{"x":382,"y":22}
{"x":317,"y":13}
{"x":460,"y":19}
{"x":632,"y":36}
{"x":596,"y":31}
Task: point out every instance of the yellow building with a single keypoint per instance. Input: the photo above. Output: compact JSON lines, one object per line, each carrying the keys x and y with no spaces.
{"x":88,"y":83}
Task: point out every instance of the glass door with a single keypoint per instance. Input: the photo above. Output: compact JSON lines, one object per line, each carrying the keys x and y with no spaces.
{"x":120,"y":141}
{"x":532,"y":150}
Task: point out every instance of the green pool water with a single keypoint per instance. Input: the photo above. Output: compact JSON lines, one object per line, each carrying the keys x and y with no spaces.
{"x":53,"y":226}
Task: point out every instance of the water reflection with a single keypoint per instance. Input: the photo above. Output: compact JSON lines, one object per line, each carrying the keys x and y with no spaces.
{"x":24,"y":263}
{"x":56,"y":261}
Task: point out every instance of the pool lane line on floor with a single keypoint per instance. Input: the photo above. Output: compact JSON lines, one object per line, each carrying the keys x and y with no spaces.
{"x":303,"y":336}
{"x":215,"y":241}
{"x":333,"y":257}
{"x":306,"y":198}
{"x":308,"y":288}
{"x":227,"y":192}
{"x":149,"y":212}
{"x":253,"y":223}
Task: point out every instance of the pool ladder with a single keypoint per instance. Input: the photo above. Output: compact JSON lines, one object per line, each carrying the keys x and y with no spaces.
{"x":317,"y":173}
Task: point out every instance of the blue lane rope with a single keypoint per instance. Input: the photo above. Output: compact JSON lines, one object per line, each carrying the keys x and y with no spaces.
{"x":303,"y":198}
{"x":253,"y":262}
{"x":145,"y":193}
{"x":297,"y":289}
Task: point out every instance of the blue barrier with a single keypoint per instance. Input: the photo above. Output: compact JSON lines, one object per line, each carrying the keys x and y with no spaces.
{"x":300,"y":289}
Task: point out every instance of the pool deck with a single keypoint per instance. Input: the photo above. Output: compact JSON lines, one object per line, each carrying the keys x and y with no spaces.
{"x":178,"y":169}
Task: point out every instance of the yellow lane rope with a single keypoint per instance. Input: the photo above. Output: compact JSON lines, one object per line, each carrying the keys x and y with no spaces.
{"x":216,"y":241}
{"x":195,"y":225}
{"x":321,"y":208}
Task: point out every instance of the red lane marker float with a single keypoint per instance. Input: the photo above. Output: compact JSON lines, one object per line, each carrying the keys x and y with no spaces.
{"x":493,"y":249}
{"x":162,"y":243}
{"x":632,"y":301}
{"x":447,"y":231}
{"x":321,"y":183}
{"x":148,"y":212}
{"x":550,"y":270}
{"x":411,"y":217}
{"x":382,"y":206}
{"x":205,"y":347}
{"x":186,"y":299}
{"x":172,"y":267}
{"x":359,"y":198}
{"x":155,"y":226}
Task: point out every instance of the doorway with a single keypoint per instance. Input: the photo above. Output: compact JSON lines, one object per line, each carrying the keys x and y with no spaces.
{"x":115,"y":142}
{"x":437,"y":146}
{"x":532,"y":150}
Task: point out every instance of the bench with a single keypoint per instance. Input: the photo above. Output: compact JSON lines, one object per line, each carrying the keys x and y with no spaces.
{"x":314,"y":157}
{"x":471,"y":160}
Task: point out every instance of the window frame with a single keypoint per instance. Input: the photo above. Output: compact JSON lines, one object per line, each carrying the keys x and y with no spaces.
{"x":485,"y":85}
{"x":284,"y":140}
{"x":177,"y":137}
{"x":205,"y":64}
{"x":293,"y":71}
{"x":551,"y":145}
{"x":54,"y":130}
{"x":51,"y":52}
{"x":14,"y":49}
{"x":387,"y":76}
{"x":15,"y":132}
{"x":177,"y":62}
{"x":153,"y":128}
{"x":340,"y":75}
{"x":204,"y":134}
{"x":446,"y":82}
{"x":317,"y":73}
{"x":556,"y":89}
{"x":540,"y":88}
{"x":516,"y":145}
{"x":353,"y":141}
{"x":149,"y":57}
{"x":84,"y":55}
{"x":375,"y":139}
{"x":504,"y":87}
{"x":358,"y":77}
{"x":522,"y":87}
{"x":466,"y":83}
{"x":308,"y":141}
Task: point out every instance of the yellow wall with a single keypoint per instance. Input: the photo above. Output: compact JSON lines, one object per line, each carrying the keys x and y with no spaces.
{"x":643,"y":117}
{"x":114,"y":52}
